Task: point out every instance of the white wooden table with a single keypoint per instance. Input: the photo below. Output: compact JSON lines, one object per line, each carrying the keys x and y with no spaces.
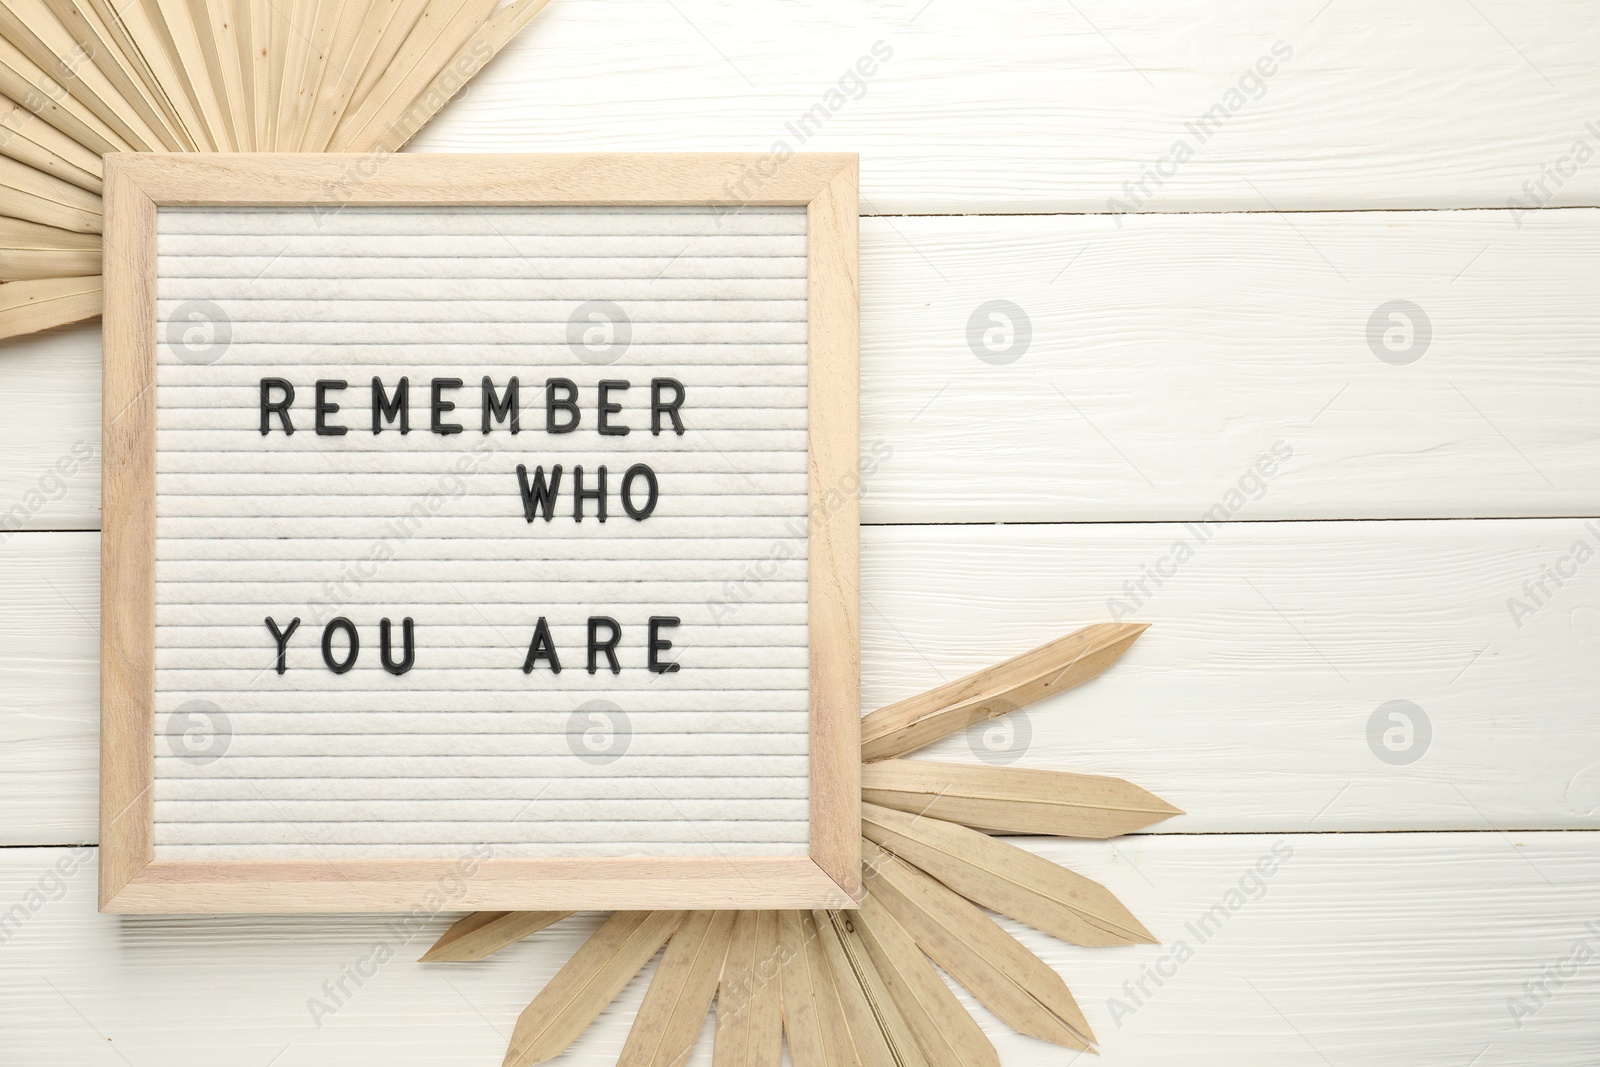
{"x":1438,"y":895}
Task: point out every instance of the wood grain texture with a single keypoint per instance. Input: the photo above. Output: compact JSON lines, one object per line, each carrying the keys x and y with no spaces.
{"x":1045,"y":107}
{"x":201,"y":886}
{"x":1452,"y":926}
{"x":1385,"y":611}
{"x":574,"y":179}
{"x":833,"y":525}
{"x":127,"y":558}
{"x":1164,"y":365}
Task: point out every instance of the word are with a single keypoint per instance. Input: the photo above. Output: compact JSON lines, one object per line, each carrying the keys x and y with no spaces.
{"x":340,"y":664}
{"x":392,"y":409}
{"x":543,"y":648}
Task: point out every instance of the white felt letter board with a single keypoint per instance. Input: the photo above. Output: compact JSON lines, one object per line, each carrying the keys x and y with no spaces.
{"x":485,"y":523}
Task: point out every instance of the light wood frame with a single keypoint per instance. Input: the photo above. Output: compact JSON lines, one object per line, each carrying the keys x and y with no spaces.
{"x":131,"y":880}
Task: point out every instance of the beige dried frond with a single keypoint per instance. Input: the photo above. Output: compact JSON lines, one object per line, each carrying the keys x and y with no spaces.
{"x":80,"y":78}
{"x":858,"y":987}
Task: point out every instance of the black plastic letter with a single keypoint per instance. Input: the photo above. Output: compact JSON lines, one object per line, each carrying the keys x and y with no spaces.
{"x":341,"y":623}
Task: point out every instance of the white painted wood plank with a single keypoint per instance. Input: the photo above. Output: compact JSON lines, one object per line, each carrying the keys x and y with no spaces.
{"x":50,"y":675}
{"x":1169,"y":356}
{"x":1248,"y":703}
{"x":1034,"y":105}
{"x":1166,"y":357}
{"x":1272,"y":648}
{"x":49,"y":425}
{"x":1397,"y":949}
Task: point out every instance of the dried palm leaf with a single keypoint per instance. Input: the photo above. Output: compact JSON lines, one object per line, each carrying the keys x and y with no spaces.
{"x":359,"y":31}
{"x":28,"y":140}
{"x":129,"y":27}
{"x":23,"y":81}
{"x":180,"y":37}
{"x":849,"y":956}
{"x":1014,"y":800}
{"x":923,"y":719}
{"x":471,"y":58}
{"x":680,"y":993}
{"x":81,"y":78}
{"x":38,"y":197}
{"x":259,"y":71}
{"x":1011,"y":880}
{"x":857,"y":1036}
{"x":386,"y":113}
{"x":857,"y":988}
{"x":27,"y":307}
{"x":218,"y":36}
{"x":398,"y":19}
{"x":994,"y":966}
{"x":94,"y":42}
{"x":591,"y":979}
{"x":749,"y":998}
{"x":808,"y":1023}
{"x":948,"y":1035}
{"x":34,"y":30}
{"x":292,"y":107}
{"x":29,"y":251}
{"x":484,"y":933}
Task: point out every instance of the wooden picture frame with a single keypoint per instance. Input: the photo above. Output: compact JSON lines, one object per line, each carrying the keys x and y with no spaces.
{"x":131,"y":879}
